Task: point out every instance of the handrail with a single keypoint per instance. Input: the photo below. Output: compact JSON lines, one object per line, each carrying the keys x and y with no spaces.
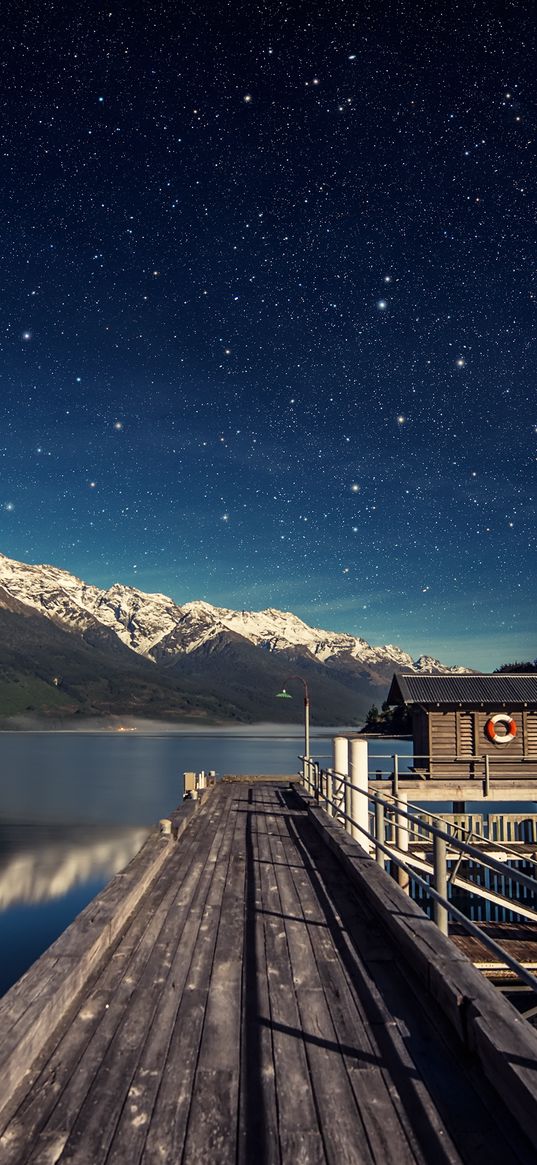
{"x":504,"y":957}
{"x":441,"y":836}
{"x":500,"y":845}
{"x":463,"y":847}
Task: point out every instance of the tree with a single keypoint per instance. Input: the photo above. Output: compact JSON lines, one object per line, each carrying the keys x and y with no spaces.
{"x":517,"y":667}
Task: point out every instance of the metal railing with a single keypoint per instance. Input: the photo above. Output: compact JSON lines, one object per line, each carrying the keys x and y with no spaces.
{"x":481,"y":767}
{"x":341,"y":798}
{"x":455,"y":824}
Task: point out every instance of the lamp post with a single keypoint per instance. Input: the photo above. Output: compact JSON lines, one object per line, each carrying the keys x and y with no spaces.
{"x":284,"y":695}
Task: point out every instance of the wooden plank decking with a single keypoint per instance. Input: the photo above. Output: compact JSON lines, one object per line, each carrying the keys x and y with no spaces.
{"x":253,"y":1012}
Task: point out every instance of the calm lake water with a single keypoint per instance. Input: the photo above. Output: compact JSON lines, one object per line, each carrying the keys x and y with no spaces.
{"x":75,"y":808}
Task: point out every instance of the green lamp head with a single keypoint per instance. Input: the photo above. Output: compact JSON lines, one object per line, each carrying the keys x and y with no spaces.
{"x":283,"y":695}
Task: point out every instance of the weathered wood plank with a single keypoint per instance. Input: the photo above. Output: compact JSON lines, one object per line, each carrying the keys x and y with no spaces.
{"x":32,"y":1010}
{"x":130,"y":1134}
{"x":258,"y":1109}
{"x":213,"y":1128}
{"x":344,"y":983}
{"x":253,"y":1013}
{"x":95,"y":1061}
{"x":465,"y":998}
{"x":344,"y":1135}
{"x":296,"y":1108}
{"x":32,"y":1111}
{"x":168,"y":1128}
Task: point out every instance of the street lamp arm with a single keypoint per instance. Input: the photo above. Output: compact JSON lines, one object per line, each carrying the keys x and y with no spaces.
{"x":302,"y":681}
{"x":294,"y":676}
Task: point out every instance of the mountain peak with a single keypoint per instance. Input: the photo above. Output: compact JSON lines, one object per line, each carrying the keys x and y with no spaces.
{"x":154,"y":626}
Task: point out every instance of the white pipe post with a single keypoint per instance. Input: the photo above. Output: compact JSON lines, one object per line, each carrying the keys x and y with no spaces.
{"x":340,"y":758}
{"x":359,"y":777}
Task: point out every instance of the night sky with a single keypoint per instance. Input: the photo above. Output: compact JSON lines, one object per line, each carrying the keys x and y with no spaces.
{"x":268,"y":307}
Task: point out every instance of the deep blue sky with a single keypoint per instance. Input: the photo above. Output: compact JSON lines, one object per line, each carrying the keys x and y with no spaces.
{"x":267,"y":309}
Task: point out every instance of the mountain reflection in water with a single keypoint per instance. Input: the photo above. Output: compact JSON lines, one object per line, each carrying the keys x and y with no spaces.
{"x":39,"y":863}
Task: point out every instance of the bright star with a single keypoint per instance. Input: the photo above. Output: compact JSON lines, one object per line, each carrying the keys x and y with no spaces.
{"x":382,"y":304}
{"x":118,"y":425}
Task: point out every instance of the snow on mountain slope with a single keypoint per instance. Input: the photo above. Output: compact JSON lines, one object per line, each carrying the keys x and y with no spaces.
{"x":154,"y":626}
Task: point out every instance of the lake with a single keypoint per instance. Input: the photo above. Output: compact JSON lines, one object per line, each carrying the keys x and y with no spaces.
{"x":76,"y":807}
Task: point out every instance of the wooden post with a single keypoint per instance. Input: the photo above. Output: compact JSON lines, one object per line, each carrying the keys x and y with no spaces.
{"x":401,"y":840}
{"x":440,"y":913}
{"x":358,"y":801}
{"x":486,"y":784}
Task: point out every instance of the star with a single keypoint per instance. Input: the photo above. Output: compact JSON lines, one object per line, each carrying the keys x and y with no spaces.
{"x":118,"y":425}
{"x":26,"y":336}
{"x":382,"y":304}
{"x":355,"y":487}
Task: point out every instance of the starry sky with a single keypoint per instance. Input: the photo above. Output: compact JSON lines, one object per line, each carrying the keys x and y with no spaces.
{"x":267,"y":309}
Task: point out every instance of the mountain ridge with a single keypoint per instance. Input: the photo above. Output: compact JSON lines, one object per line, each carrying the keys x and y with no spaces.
{"x":191,"y":659}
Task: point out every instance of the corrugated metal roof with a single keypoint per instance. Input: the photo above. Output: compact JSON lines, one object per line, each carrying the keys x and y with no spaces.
{"x":409,"y":688}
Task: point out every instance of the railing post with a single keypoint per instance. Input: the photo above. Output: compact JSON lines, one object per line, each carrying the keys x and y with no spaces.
{"x":340,"y":758}
{"x":358,"y":800}
{"x":395,"y":780}
{"x":440,"y":913}
{"x":380,"y":833}
{"x":306,"y":774}
{"x":329,"y":793}
{"x":486,"y":785}
{"x":401,"y":840}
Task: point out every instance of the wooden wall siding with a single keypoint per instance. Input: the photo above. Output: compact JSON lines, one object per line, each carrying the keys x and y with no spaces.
{"x":440,"y":735}
{"x":443,"y":734}
{"x":530,"y":732}
{"x":420,"y":733}
{"x":465,"y":729}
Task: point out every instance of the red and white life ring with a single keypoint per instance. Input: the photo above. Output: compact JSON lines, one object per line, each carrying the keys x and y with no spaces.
{"x":510,"y":728}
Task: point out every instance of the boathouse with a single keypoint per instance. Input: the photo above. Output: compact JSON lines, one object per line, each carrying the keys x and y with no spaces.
{"x":462,"y":723}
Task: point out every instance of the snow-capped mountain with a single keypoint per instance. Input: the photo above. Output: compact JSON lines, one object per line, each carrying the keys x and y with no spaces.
{"x":153,"y":626}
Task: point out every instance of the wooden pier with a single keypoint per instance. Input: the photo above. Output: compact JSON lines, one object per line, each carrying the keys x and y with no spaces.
{"x":259,"y":991}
